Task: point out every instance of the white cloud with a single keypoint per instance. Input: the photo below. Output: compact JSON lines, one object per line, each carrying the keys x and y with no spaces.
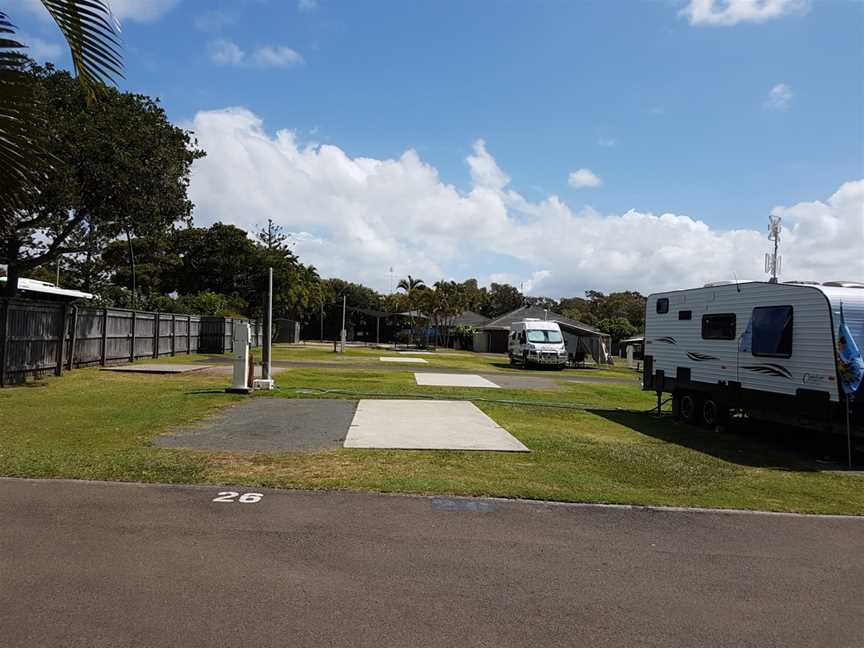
{"x":134,"y":10}
{"x":307,"y":5}
{"x":279,"y":56}
{"x":39,"y":48}
{"x":583,"y":178}
{"x":779,"y":97}
{"x":141,"y":10}
{"x":607,"y":142}
{"x":214,"y":21}
{"x":731,"y":12}
{"x":227,"y":52}
{"x":356,"y":217}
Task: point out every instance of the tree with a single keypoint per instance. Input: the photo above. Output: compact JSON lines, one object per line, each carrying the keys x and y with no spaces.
{"x":476,"y":298}
{"x":357,"y":298}
{"x":273,"y":238}
{"x":410,"y":286}
{"x":618,"y":328}
{"x":121,"y":168}
{"x":442,"y":304}
{"x":220,"y":259}
{"x":90,"y":31}
{"x":577,"y":308}
{"x":503,"y":298}
{"x":542,"y":302}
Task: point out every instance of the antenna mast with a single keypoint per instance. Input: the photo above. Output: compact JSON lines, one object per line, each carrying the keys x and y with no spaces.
{"x":773,"y":260}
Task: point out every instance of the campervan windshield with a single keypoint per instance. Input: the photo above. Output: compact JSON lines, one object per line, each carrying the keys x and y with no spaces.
{"x":544,"y":335}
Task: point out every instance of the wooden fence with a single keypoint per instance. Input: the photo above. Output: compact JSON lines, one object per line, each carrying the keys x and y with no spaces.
{"x":39,"y":337}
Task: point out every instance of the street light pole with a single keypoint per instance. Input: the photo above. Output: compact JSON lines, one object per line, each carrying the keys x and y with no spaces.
{"x":342,"y":346}
{"x":268,"y":327}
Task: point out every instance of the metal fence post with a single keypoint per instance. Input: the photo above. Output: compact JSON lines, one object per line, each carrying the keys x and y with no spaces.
{"x":104,"y":335}
{"x":61,"y":344}
{"x":132,"y":342}
{"x":188,"y":334}
{"x":173,"y":333}
{"x":73,"y":334}
{"x":4,"y":337}
{"x":156,"y":334}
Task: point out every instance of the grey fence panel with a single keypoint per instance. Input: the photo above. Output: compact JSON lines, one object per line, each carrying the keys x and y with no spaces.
{"x":194,"y":333}
{"x":119,"y":335}
{"x":41,"y":336}
{"x":164,"y":334}
{"x":31,"y":337}
{"x":145,"y":325}
{"x":88,"y":337}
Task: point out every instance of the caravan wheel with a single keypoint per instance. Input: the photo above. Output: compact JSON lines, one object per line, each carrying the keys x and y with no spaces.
{"x":689,"y":408}
{"x":713,"y":414}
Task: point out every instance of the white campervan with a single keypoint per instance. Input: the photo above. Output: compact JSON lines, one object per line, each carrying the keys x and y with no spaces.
{"x":536,"y":341}
{"x":764,"y":349}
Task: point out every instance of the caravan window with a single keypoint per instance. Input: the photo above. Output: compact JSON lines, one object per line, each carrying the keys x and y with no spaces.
{"x":772,"y":331}
{"x":718,"y":327}
{"x":663,"y":305}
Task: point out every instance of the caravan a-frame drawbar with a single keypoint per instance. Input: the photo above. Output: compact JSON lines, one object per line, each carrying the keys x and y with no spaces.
{"x":767,"y":350}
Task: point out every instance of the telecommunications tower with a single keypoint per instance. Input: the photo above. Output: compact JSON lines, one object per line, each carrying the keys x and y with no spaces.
{"x":773,"y":260}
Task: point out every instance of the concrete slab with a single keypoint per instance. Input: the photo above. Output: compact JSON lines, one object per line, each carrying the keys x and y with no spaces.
{"x":427,"y":425}
{"x":269,"y":424}
{"x":511,"y":381}
{"x":158,"y":368}
{"x":453,"y":380}
{"x":416,"y":352}
{"x":405,"y":360}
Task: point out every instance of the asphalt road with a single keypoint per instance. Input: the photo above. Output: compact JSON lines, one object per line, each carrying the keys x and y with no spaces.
{"x":126,"y":565}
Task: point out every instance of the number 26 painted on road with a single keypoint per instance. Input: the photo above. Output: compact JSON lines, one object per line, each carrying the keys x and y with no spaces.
{"x":245,"y":498}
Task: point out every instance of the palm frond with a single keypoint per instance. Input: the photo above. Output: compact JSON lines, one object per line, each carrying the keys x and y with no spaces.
{"x":92,"y":34}
{"x":16,"y":98}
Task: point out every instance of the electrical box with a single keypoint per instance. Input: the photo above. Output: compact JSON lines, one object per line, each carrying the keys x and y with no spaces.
{"x":241,"y":338}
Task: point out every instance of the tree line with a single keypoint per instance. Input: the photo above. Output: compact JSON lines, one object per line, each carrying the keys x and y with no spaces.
{"x":112,"y":216}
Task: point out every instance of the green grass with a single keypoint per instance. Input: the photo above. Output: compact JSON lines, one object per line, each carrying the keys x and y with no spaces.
{"x":596,"y":448}
{"x":442,"y":358}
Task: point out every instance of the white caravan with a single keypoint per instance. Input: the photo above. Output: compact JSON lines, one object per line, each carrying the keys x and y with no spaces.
{"x":765,"y":349}
{"x":536,"y":341}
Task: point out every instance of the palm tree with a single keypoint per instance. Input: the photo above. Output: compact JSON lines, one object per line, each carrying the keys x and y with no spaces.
{"x":411,"y":286}
{"x":92,"y":34}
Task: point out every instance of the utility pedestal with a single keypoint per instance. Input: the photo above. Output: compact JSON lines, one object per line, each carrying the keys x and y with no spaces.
{"x":240,"y":381}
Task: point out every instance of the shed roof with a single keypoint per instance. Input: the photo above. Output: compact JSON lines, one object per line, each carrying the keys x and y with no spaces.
{"x":506,"y":321}
{"x":45,"y":288}
{"x":470,"y":318}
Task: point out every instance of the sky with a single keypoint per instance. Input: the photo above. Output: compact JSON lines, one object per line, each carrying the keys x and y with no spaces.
{"x":557,"y":145}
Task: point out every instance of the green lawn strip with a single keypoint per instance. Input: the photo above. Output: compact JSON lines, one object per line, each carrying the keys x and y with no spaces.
{"x":97,"y":425}
{"x":441,"y":358}
{"x":91,"y":424}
